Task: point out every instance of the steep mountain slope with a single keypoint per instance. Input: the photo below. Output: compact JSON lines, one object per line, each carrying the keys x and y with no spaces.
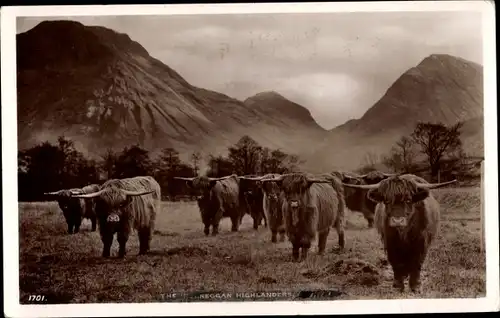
{"x":104,"y":90}
{"x":442,"y":88}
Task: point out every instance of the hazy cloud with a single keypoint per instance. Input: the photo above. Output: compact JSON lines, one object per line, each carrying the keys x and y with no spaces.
{"x":335,"y":64}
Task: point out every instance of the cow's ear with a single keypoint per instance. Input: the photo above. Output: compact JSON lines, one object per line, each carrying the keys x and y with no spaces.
{"x":189,"y":183}
{"x":421,"y":194}
{"x":375,"y":196}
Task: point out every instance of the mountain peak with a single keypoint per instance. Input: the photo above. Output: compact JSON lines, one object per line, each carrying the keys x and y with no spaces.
{"x":65,"y":43}
{"x":439,"y":60}
{"x":266,"y":95}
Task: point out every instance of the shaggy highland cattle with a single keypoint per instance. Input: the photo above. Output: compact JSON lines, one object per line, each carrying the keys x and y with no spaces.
{"x":251,"y":193}
{"x":311,"y":206}
{"x":74,"y":209}
{"x":220,"y":198}
{"x":272,"y":201}
{"x":125,"y":204}
{"x":355,"y":198}
{"x":407,"y":219}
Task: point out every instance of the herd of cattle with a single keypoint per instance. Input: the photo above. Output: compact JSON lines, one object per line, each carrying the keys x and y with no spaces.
{"x":300,"y":206}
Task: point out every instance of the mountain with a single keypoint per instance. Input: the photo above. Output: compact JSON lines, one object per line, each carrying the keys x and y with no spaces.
{"x":441,"y":88}
{"x":104,"y":90}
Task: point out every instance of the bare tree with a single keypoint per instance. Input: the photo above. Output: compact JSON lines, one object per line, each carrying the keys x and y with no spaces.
{"x":401,"y":157}
{"x":195,"y":158}
{"x":436,"y":141}
{"x":370,"y":160}
{"x":245,"y":156}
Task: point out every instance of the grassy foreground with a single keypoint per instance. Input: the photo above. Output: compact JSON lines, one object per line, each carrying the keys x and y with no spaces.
{"x":69,"y":268}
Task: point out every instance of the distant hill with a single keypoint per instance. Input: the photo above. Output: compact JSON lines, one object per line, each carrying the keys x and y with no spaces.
{"x":104,"y":90}
{"x":441,"y":88}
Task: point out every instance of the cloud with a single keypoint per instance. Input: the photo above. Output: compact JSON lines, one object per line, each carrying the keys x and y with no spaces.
{"x":335,"y":64}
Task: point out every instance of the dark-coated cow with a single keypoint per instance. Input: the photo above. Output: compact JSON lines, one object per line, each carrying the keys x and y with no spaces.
{"x":125,"y":204}
{"x":312,"y":205}
{"x":271,"y":204}
{"x":356,"y":199}
{"x":252,"y":194}
{"x":407,"y":219}
{"x":74,"y":209}
{"x":219,"y":199}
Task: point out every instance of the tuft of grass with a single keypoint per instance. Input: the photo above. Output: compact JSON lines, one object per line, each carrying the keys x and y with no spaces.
{"x":69,"y":268}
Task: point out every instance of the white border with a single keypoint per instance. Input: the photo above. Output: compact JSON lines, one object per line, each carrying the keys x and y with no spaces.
{"x":9,"y":167}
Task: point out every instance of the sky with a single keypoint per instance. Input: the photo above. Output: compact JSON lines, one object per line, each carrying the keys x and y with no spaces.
{"x":337,"y":65}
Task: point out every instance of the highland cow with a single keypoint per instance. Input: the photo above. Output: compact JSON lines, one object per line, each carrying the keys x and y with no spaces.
{"x":219,"y":198}
{"x":272,"y":202}
{"x":74,"y":209}
{"x":125,"y":204}
{"x":311,"y":206}
{"x":356,"y":199}
{"x":407,"y":219}
{"x":251,"y":193}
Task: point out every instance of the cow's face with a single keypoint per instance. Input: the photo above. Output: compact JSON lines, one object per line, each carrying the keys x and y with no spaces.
{"x":399,"y":197}
{"x":66,"y":204}
{"x":272,"y":191}
{"x":111,"y":202}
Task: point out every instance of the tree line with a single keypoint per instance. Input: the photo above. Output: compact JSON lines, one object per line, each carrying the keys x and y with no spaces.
{"x":432,"y":149}
{"x":49,"y":167}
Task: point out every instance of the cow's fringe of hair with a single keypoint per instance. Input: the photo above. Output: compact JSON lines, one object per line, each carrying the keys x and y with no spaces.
{"x":397,"y":189}
{"x":91,"y":188}
{"x":400,"y":187}
{"x":137,"y":209}
{"x":297,"y":181}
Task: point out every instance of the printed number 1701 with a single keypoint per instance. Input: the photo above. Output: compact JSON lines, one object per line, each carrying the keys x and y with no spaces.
{"x":36,"y":298}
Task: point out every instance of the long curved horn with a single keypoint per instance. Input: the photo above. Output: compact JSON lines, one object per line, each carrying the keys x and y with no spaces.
{"x":89,"y":195}
{"x":75,"y":192}
{"x":184,"y":178}
{"x":315,"y":180}
{"x":275,"y":178}
{"x":251,"y":178}
{"x":434,"y":185}
{"x":53,"y":193}
{"x":136,"y":193}
{"x":361,"y":186}
{"x":390,"y":174}
{"x":222,"y":178}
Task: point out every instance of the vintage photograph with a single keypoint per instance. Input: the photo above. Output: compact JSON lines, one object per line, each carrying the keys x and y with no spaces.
{"x":250,"y":157}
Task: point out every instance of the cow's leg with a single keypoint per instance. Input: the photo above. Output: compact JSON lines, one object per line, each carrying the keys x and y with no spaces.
{"x":273,"y":236}
{"x":256,"y":222}
{"x":122,"y":237}
{"x":144,"y":240}
{"x":93,"y":219}
{"x":78,"y":222}
{"x":235,"y":223}
{"x":339,"y":227}
{"x":415,"y":279}
{"x":322,"y":241}
{"x":295,"y":252}
{"x":415,"y":266}
{"x":206,"y":230}
{"x":370,"y":222}
{"x":305,"y":250}
{"x":107,"y":240}
{"x":265,"y":219}
{"x":399,"y":276}
{"x":69,"y":222}
{"x":282,"y":234}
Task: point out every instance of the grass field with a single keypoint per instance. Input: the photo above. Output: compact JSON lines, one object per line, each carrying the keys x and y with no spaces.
{"x":69,"y":268}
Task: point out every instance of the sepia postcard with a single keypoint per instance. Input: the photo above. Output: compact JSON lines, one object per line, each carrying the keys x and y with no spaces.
{"x":249,"y":159}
